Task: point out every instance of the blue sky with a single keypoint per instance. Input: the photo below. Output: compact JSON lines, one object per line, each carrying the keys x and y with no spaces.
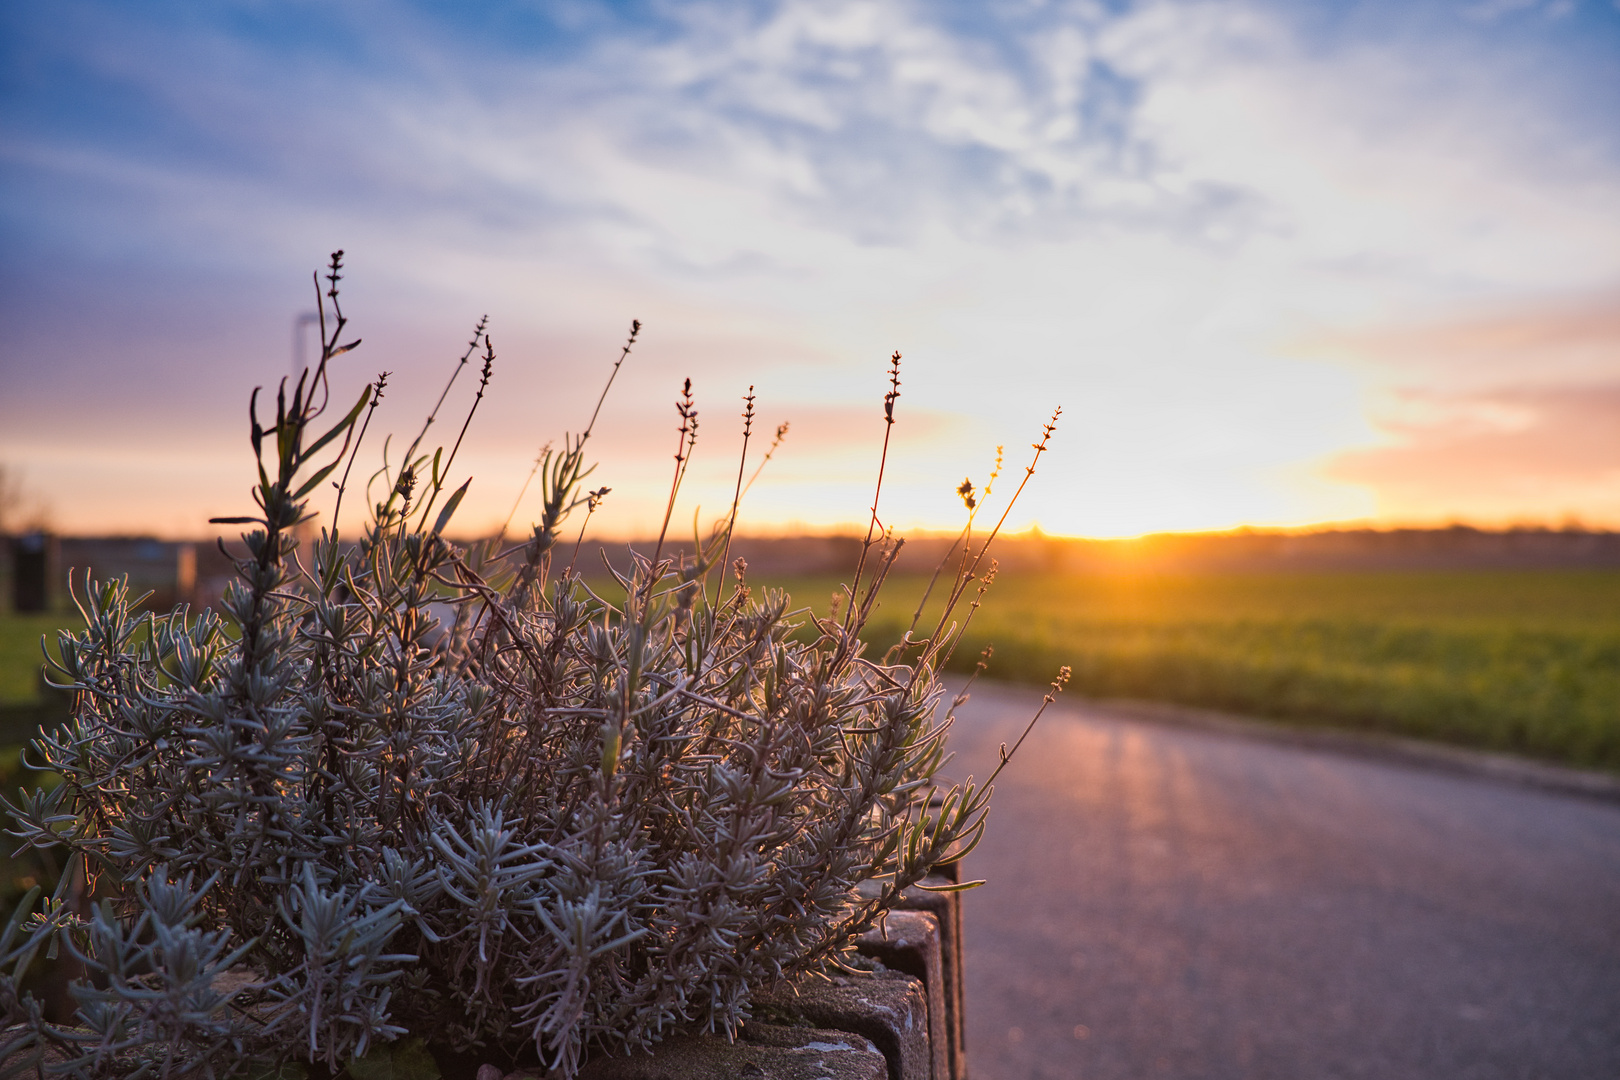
{"x":1280,"y":263}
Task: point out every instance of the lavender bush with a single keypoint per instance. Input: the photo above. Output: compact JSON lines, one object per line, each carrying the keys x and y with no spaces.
{"x":399,"y":786}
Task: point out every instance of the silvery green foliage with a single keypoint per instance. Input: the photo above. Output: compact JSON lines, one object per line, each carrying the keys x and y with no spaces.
{"x":526,"y":815}
{"x":21,"y":1045}
{"x":161,"y":1012}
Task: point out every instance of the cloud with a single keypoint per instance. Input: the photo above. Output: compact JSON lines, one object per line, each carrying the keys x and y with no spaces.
{"x":1184,"y":221}
{"x":1565,"y":344}
{"x":1504,"y":416}
{"x":1527,"y":454}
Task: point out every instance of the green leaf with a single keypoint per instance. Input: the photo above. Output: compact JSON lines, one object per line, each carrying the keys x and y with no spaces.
{"x":287,"y":433}
{"x":959,"y":886}
{"x":309,"y":485}
{"x":342,"y":425}
{"x":449,"y":509}
{"x":407,"y":1059}
{"x":257,"y":432}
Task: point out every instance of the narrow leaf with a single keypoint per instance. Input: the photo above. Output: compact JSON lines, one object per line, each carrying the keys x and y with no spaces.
{"x":343,"y":424}
{"x":253,"y":418}
{"x":310,"y":484}
{"x":449,"y":509}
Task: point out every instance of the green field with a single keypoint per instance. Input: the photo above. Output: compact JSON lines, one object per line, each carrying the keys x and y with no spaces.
{"x":22,"y":710}
{"x":20,"y":658}
{"x":22,"y":705}
{"x":1520,"y":661}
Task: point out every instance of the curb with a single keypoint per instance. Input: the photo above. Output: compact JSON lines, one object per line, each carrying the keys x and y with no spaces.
{"x":1458,"y":760}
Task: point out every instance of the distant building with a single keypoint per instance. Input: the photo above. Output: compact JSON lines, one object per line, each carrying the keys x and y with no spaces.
{"x":31,"y":564}
{"x":38,"y":568}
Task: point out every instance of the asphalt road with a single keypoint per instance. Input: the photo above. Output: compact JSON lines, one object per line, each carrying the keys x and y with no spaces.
{"x":1167,"y":902}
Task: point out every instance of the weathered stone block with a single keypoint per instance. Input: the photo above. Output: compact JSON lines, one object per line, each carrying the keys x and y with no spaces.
{"x":909,"y":941}
{"x":888,"y":1007}
{"x":946,"y":907}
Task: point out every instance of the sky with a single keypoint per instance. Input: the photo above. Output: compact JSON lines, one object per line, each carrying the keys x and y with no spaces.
{"x":1280,"y":264}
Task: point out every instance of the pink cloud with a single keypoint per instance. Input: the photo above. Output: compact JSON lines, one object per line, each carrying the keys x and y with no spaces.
{"x":1518,"y":453}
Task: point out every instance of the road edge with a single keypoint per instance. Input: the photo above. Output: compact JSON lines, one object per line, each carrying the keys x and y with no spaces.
{"x":1503,"y":768}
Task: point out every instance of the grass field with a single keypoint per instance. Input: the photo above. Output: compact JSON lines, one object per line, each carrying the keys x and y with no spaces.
{"x":1520,"y":661}
{"x":22,"y":709}
{"x":20,"y":658}
{"x":22,"y":705}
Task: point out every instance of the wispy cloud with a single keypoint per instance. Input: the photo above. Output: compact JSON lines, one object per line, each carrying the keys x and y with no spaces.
{"x":1527,"y":454}
{"x":1505,"y":416}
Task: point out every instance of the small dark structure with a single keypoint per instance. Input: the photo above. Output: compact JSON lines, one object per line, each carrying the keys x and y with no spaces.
{"x":33,"y":558}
